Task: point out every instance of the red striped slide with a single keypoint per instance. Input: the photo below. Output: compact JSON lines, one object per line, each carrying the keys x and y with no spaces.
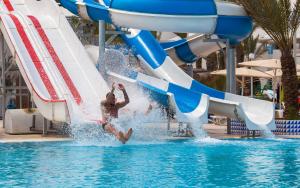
{"x":56,"y":60}
{"x":35,"y":59}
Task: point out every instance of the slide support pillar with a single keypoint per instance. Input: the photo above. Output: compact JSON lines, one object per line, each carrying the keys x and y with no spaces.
{"x":101,"y":58}
{"x":252,"y":89}
{"x":3,"y":78}
{"x":230,"y":69}
{"x":20,"y":90}
{"x":45,"y":126}
{"x":190,"y":70}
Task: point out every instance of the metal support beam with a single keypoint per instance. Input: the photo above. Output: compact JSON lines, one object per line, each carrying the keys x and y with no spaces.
{"x":20,"y":91}
{"x":112,"y":38}
{"x":101,"y":46}
{"x":252,"y":89}
{"x":45,"y":127}
{"x":116,"y":32}
{"x":190,"y":70}
{"x":22,"y":94}
{"x":15,"y":87}
{"x":230,"y":64}
{"x":230,"y":69}
{"x":8,"y":68}
{"x":32,"y":128}
{"x":233,"y":68}
{"x":3,"y":78}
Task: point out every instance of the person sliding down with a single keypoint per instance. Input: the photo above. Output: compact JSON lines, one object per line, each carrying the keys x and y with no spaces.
{"x":110,"y":109}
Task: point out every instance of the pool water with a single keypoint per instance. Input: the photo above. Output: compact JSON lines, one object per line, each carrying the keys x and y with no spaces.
{"x":189,"y":163}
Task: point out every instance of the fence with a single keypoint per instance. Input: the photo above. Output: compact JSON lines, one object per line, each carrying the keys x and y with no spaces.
{"x":283,"y":127}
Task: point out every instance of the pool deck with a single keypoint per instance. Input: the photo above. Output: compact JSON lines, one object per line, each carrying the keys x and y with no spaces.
{"x":213,"y":131}
{"x":8,"y":138}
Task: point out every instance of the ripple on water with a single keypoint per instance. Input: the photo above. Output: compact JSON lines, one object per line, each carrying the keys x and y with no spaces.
{"x":190,"y":163}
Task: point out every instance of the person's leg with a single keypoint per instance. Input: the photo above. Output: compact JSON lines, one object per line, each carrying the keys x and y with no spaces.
{"x":118,"y":134}
{"x":128,"y":135}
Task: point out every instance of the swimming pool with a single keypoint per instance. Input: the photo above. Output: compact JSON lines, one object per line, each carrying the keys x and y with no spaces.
{"x":206,"y":163}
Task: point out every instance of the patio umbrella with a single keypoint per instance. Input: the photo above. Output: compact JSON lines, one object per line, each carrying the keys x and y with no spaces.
{"x":277,"y":73}
{"x":274,"y":64}
{"x":244,"y":72}
{"x":268,"y":63}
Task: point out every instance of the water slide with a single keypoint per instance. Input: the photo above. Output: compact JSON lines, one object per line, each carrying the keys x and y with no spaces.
{"x":205,"y":17}
{"x":190,"y":49}
{"x":52,"y":61}
{"x":57,"y":70}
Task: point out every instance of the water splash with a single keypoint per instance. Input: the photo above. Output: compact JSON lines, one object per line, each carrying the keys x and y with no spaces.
{"x":198,"y":129}
{"x":208,"y":140}
{"x":194,"y":123}
{"x":147,"y":126}
{"x":267,"y":133}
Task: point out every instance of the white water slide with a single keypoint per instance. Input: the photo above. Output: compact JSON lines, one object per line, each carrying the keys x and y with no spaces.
{"x":52,"y":61}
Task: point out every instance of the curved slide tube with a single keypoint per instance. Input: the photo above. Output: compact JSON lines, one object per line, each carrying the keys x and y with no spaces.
{"x":190,"y":49}
{"x":185,"y":16}
{"x":257,"y":114}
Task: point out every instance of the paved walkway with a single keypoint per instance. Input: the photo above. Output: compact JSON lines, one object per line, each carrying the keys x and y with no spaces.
{"x":219,"y":132}
{"x":29,"y":137}
{"x":214,"y":131}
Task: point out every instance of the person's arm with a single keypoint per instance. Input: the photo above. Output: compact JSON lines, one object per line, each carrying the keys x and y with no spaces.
{"x":126,"y":101}
{"x":150,"y":107}
{"x":103,"y":111}
{"x":113,"y":88}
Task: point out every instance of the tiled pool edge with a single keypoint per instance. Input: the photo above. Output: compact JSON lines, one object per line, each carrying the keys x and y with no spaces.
{"x":283,"y":127}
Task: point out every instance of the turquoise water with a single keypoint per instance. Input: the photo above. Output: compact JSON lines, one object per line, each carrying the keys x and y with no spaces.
{"x":206,"y":163}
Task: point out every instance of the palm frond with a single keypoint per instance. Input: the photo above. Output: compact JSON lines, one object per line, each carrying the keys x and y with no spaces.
{"x":279,"y":18}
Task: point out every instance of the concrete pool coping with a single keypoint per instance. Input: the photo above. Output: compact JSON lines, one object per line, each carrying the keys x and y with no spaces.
{"x":213,"y":131}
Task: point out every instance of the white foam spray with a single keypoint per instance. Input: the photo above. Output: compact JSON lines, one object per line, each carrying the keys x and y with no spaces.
{"x":267,"y":133}
{"x":146,"y":126}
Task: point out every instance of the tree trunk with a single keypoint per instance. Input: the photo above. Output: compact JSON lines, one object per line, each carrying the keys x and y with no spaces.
{"x":240,"y":55}
{"x":199,"y":63}
{"x":290,"y":84}
{"x":222,"y":63}
{"x":211,"y":62}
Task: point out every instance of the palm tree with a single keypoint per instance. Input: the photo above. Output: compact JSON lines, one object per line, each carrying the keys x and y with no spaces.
{"x":280,"y":20}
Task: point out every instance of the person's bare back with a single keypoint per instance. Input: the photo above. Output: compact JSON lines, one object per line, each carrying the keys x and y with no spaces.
{"x":110,"y":109}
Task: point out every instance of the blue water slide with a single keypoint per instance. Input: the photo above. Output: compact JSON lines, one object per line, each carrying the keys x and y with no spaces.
{"x":188,"y":16}
{"x":182,"y":50}
{"x":189,"y":50}
{"x":195,"y":16}
{"x":257,"y":114}
{"x":189,"y":106}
